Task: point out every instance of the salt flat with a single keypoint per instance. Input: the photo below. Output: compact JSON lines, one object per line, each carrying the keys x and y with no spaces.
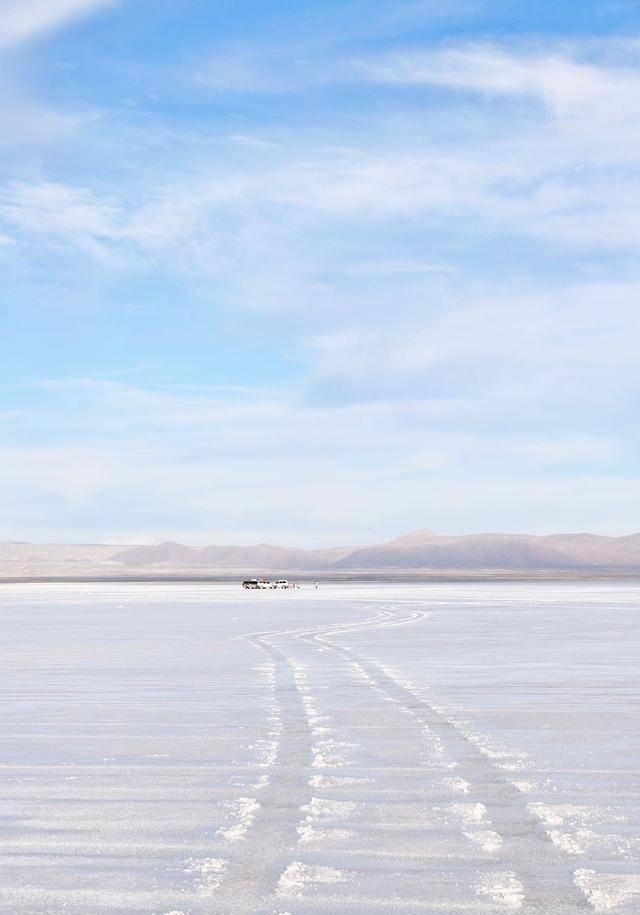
{"x":195,"y":749}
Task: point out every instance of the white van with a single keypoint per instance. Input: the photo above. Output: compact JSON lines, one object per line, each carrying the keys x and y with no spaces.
{"x":280,"y":583}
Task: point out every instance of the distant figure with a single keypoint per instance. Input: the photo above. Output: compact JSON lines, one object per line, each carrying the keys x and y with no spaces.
{"x":316,"y":585}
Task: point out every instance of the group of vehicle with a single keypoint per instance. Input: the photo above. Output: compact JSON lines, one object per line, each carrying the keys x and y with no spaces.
{"x":263,"y":584}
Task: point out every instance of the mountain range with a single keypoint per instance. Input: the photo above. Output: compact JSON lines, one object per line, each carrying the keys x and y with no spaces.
{"x":421,"y":550}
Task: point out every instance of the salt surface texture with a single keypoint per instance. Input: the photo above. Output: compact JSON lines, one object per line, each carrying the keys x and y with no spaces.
{"x":200,"y":750}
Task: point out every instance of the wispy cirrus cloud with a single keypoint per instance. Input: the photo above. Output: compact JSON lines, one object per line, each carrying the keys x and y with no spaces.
{"x":433,"y":241}
{"x":196,"y":447}
{"x":562,"y":77}
{"x":310,"y":51}
{"x":26,"y":20}
{"x":61,"y":214}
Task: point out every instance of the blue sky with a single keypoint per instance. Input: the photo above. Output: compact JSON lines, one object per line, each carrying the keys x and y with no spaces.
{"x":318,"y":272}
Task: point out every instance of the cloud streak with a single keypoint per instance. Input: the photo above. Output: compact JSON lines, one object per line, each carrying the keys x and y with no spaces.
{"x":419,"y":263}
{"x":556,"y":77}
{"x":149,"y":454}
{"x":26,"y":20}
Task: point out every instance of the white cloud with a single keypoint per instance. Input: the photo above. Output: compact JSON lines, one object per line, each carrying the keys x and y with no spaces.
{"x":62,"y":216}
{"x":554,"y":76}
{"x":154,"y":461}
{"x":24,"y":20}
{"x":56,"y":209}
{"x":307,"y":51}
{"x":412,"y":364}
{"x":523,"y":356}
{"x":566,"y":176}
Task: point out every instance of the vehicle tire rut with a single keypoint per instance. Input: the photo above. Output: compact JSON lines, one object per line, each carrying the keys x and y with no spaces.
{"x":255,"y":866}
{"x":545,"y":873}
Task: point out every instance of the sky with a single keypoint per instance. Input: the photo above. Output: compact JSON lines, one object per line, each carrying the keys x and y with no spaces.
{"x":318,"y":272}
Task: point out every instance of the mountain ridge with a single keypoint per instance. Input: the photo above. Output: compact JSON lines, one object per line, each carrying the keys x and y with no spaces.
{"x":422,"y":550}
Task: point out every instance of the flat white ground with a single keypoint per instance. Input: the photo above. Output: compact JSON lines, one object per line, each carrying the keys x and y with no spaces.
{"x":416,"y":750}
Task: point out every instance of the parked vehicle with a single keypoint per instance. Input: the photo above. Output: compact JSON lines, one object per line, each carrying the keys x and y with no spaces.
{"x":257,"y":584}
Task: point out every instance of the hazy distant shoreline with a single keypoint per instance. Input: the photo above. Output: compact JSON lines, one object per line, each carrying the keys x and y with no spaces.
{"x":417,"y":577}
{"x":419,"y":556}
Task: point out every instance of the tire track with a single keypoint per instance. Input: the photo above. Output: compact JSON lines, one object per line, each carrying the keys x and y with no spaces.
{"x":545,"y":878}
{"x":531,"y":874}
{"x":246,"y":885}
{"x":246,"y":880}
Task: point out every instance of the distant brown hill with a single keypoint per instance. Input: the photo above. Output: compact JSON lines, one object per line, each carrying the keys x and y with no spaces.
{"x":597,"y":550}
{"x":261,"y":556}
{"x":424,"y":550}
{"x":482,"y":551}
{"x":421,"y":550}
